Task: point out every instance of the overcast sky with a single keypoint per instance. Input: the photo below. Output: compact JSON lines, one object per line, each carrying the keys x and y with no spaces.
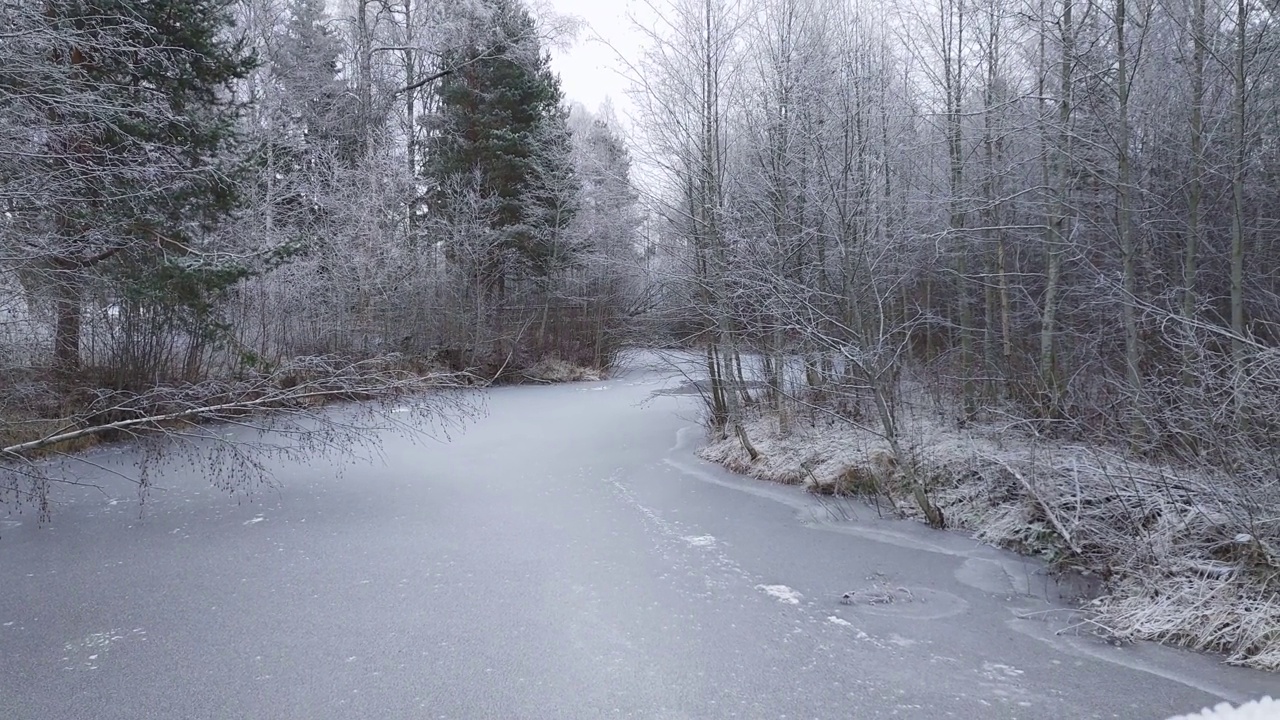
{"x":589,"y":71}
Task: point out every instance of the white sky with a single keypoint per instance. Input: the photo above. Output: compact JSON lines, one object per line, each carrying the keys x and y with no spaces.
{"x":589,"y":70}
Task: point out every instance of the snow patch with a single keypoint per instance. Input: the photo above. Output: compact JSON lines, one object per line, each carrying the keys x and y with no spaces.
{"x":700,"y":540}
{"x":782,"y":593}
{"x":257,"y":519}
{"x":1264,"y":709}
{"x":838,"y":621}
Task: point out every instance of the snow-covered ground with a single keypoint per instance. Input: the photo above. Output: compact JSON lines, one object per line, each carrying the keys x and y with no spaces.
{"x":1265,"y":709}
{"x":1186,"y":555}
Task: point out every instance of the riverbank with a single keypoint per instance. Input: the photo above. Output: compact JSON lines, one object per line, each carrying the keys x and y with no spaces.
{"x":292,"y":400}
{"x":1185,"y":557}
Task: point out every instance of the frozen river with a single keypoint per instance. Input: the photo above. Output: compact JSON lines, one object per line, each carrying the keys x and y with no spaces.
{"x":567,"y":556}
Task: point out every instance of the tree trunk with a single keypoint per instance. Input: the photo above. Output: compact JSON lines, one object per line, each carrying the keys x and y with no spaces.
{"x":952,"y":33}
{"x":1237,"y":187}
{"x":1195,"y":191}
{"x":1125,"y":230}
{"x":410,"y":94}
{"x":778,"y":382}
{"x":69,"y":311}
{"x":1057,"y":225}
{"x":364,"y":69}
{"x":719,"y":408}
{"x":997,"y":294}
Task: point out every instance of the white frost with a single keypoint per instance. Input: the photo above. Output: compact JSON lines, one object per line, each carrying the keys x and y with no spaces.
{"x":782,"y":593}
{"x":700,"y":540}
{"x":254,"y":520}
{"x":1264,"y":709}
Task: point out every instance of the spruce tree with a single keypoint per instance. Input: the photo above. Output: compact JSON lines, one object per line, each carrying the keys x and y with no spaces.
{"x":609,"y":199}
{"x":307,"y":132}
{"x":135,"y":125}
{"x":306,"y":66}
{"x":501,"y":127}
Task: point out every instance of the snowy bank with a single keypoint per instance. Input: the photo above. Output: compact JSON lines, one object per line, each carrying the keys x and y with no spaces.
{"x":1264,"y":709}
{"x":1188,"y":558}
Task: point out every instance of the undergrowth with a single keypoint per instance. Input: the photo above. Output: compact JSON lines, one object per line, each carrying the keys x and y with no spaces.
{"x":1189,"y":557}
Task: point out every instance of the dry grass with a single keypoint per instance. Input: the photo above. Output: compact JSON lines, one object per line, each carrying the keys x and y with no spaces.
{"x":1190,"y":557}
{"x":555,"y":370}
{"x":16,"y":432}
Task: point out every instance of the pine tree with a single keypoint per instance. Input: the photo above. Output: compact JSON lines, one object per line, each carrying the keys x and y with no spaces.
{"x":306,"y":132}
{"x":608,"y":198}
{"x":502,"y":128}
{"x":136,"y":119}
{"x":306,"y":65}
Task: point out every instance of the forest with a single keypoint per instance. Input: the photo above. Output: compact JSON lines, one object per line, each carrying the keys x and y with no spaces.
{"x":213,"y":208}
{"x":1008,"y":265}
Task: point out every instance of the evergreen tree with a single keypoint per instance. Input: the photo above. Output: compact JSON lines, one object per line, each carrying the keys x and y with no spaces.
{"x":306,"y":131}
{"x":305,"y":64}
{"x":608,"y":201}
{"x":502,"y":128}
{"x":136,"y":121}
{"x":551,"y":201}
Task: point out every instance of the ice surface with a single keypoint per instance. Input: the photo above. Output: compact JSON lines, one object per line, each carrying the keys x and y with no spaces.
{"x":782,"y":593}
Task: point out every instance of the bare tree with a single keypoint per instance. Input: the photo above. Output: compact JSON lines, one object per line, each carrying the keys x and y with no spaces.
{"x":863,"y":175}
